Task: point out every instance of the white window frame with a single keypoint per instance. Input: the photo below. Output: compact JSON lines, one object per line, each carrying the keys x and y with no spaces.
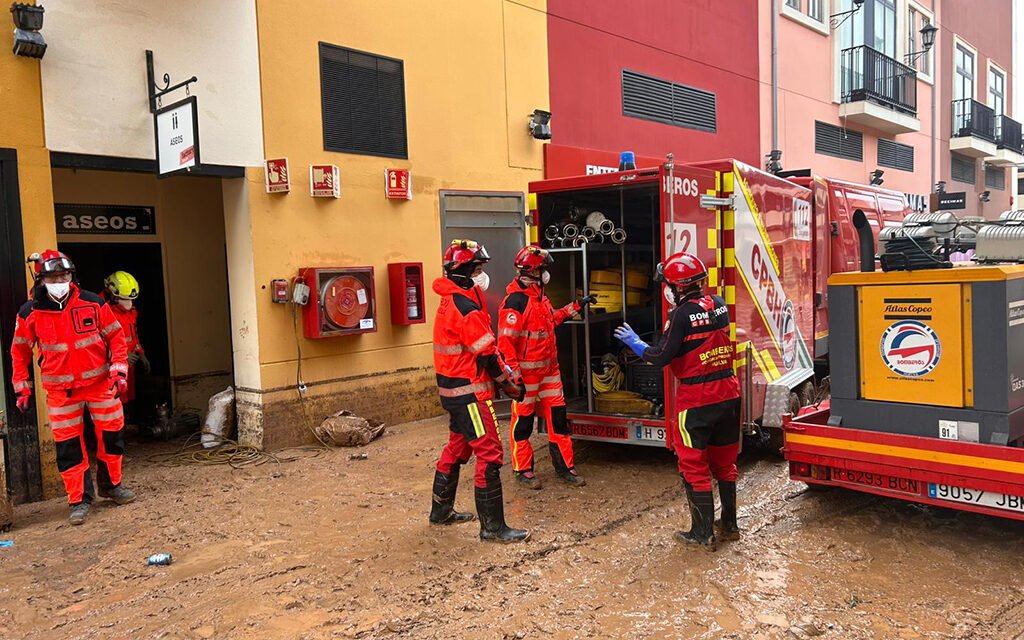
{"x":928,"y":78}
{"x":800,"y":17}
{"x":989,"y":67}
{"x":958,"y":41}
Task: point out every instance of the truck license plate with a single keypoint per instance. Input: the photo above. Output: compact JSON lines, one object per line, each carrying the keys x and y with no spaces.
{"x":653,"y":434}
{"x":604,"y":431}
{"x":976,"y":496}
{"x":877,"y":480}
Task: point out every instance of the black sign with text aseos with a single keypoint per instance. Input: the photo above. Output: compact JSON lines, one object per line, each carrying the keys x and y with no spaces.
{"x":107,"y":219}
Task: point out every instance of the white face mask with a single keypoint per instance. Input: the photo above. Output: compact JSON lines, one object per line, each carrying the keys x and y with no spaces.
{"x":670,"y":296}
{"x":58,"y":290}
{"x":482,"y":280}
{"x":125,"y":303}
{"x":545,"y":277}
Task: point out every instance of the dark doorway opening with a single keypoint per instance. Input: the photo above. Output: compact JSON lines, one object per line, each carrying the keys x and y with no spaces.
{"x":144,"y":260}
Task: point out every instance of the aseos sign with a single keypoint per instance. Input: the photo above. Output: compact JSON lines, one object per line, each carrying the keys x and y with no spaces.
{"x":177,"y":137}
{"x":88,"y":219}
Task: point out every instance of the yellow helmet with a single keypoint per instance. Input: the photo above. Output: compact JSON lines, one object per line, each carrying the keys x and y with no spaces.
{"x":122,"y":284}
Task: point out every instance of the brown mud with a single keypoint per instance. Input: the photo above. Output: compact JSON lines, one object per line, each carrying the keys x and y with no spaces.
{"x":331,"y":547}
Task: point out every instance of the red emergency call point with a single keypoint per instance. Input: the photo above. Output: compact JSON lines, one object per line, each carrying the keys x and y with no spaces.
{"x":341,"y":301}
{"x":397,"y":184}
{"x":279,"y":291}
{"x":276,"y":176}
{"x":405,"y":284}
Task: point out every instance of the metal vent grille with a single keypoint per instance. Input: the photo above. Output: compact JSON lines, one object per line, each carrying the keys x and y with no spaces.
{"x":895,"y":155}
{"x":835,"y":141}
{"x":962,"y":169}
{"x":362,"y":102}
{"x":650,"y":98}
{"x":995,"y":178}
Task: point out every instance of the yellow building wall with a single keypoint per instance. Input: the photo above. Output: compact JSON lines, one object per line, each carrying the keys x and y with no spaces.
{"x":473,"y":72}
{"x":190,"y":230}
{"x":21,"y":129}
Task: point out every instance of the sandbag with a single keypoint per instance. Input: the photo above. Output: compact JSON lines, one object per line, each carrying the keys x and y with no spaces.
{"x":344,"y":429}
{"x":219,"y":419}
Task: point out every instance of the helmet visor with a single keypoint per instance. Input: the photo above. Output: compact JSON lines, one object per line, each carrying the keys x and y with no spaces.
{"x":56,"y":265}
{"x":659,"y":272}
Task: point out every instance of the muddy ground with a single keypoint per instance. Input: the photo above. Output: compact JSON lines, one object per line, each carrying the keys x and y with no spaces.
{"x":336,"y":548}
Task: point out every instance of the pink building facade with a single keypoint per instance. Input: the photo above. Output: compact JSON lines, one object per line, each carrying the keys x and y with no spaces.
{"x":858,"y":94}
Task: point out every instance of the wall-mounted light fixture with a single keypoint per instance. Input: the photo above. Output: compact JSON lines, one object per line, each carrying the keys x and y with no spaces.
{"x":984,"y":196}
{"x":940,"y":186}
{"x":773,"y":161}
{"x":539,"y":125}
{"x":927,"y":32}
{"x":28,"y":20}
{"x":876,"y":177}
{"x":837,"y":19}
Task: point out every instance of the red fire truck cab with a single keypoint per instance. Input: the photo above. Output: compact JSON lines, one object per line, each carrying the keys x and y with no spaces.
{"x":770,"y":244}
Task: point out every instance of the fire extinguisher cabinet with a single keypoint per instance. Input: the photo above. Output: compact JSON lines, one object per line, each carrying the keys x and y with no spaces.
{"x":405,"y":282}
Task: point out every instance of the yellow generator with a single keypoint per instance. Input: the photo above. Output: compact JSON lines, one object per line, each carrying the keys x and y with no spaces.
{"x":936,"y":350}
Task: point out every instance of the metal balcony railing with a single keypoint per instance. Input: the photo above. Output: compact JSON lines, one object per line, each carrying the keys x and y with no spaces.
{"x":868,"y":74}
{"x":972,"y":118}
{"x":1008,"y":134}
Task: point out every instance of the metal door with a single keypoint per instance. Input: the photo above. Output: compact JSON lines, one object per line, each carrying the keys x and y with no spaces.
{"x":495,"y":219}
{"x":20,"y":444}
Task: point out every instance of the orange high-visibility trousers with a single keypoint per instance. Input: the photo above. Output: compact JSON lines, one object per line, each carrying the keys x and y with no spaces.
{"x":546,"y":391}
{"x":66,"y":410}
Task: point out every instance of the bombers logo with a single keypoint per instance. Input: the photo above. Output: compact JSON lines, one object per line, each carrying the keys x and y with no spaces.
{"x":910,"y":348}
{"x":788,"y":335}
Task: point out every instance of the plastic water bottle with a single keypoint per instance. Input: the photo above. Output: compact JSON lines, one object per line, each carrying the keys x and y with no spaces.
{"x":159,"y":559}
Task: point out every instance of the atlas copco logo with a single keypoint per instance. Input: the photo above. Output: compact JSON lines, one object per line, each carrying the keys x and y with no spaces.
{"x":911,"y":348}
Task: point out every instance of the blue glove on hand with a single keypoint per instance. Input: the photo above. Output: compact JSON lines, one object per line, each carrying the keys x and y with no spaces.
{"x":630,"y":339}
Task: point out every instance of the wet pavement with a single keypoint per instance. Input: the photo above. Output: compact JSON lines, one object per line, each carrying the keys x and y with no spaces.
{"x":331,"y":547}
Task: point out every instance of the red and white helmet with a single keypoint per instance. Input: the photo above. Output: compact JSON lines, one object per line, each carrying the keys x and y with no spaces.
{"x":462,"y":252}
{"x":532,"y":258}
{"x":681,"y":269}
{"x":50,"y":262}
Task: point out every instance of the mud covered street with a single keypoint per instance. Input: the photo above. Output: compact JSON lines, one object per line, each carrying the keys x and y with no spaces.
{"x":330,"y":547}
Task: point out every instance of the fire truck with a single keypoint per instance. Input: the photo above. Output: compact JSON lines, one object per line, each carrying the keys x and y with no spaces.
{"x":770,"y":244}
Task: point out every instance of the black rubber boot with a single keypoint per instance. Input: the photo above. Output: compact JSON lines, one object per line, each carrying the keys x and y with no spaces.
{"x":442,"y":508}
{"x":562,"y":470}
{"x":702,"y":514}
{"x":491,"y":507}
{"x":727,"y":528}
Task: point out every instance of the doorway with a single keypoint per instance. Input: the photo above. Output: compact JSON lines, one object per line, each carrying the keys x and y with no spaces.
{"x":94,"y":261}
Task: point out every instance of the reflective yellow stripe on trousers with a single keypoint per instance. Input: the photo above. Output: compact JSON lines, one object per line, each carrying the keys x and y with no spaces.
{"x":682,"y":430}
{"x":478,"y":423}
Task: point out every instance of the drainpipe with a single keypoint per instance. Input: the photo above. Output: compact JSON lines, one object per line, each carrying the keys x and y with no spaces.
{"x":775,"y":74}
{"x":935,"y":90}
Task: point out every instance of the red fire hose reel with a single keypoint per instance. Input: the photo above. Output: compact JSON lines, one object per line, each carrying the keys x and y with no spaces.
{"x":342,"y":301}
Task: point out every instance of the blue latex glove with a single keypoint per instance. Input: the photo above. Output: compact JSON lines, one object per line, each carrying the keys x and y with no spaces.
{"x":630,"y":339}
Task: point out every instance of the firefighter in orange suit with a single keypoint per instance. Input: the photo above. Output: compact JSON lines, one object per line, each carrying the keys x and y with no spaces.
{"x":699,"y":351}
{"x":468,"y":365}
{"x":83,"y":364}
{"x":122,"y":290}
{"x":526,"y":338}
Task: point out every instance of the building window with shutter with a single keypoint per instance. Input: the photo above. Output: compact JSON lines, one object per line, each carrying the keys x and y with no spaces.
{"x":649,"y":98}
{"x":995,"y":178}
{"x":836,"y":141}
{"x":962,"y":169}
{"x":363,"y":102}
{"x":895,"y":155}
